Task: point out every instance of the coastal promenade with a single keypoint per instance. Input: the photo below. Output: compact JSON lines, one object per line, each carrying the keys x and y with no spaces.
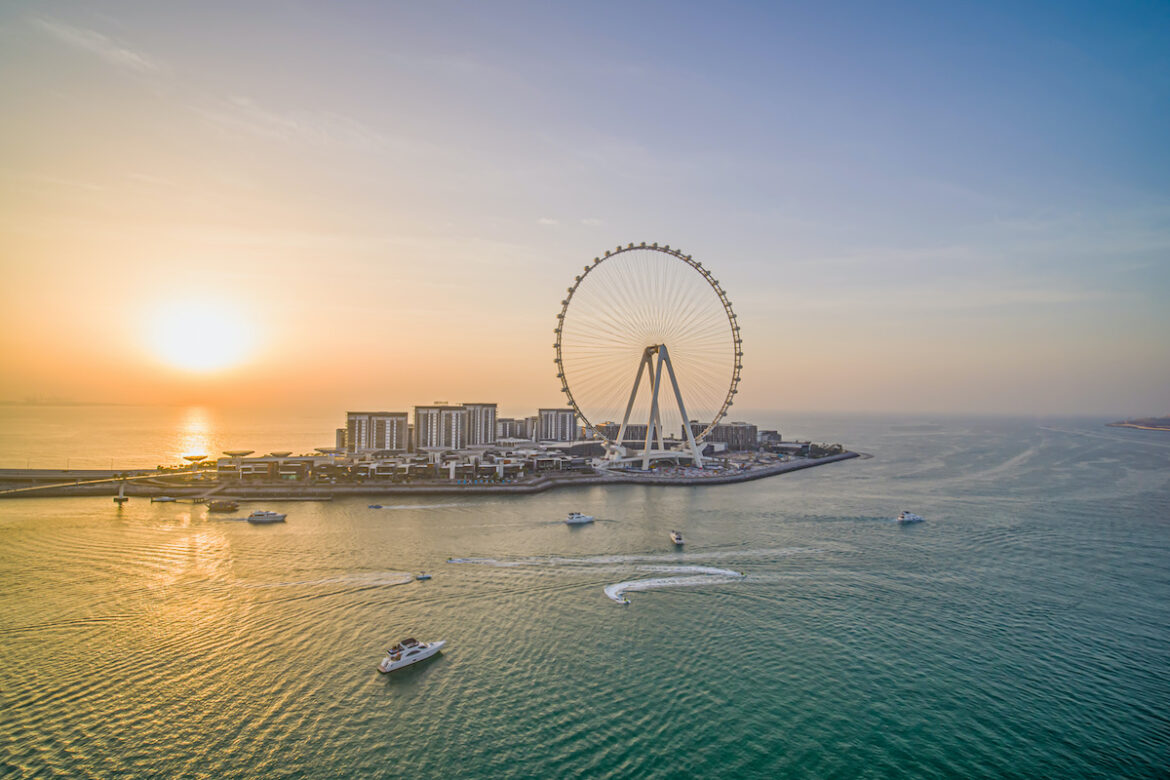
{"x":16,"y":483}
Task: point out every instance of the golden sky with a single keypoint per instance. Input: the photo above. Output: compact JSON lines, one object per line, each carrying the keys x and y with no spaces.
{"x":347,"y":207}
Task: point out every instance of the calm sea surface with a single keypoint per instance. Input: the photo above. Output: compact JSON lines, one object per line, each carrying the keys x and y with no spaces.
{"x":1023,"y":630}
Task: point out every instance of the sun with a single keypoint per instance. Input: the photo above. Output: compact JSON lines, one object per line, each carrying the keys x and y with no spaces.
{"x":200,"y":336}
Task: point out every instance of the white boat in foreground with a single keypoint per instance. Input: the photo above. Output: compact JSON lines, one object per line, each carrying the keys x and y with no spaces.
{"x":676,"y":537}
{"x":262,"y":516}
{"x":907,"y":517}
{"x":407,"y":652}
{"x":576,"y":518}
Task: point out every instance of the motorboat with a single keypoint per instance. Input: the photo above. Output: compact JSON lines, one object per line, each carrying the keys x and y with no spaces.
{"x":375,"y":506}
{"x":407,"y":652}
{"x":263,"y":516}
{"x":676,"y":537}
{"x":906,"y":516}
{"x":222,"y":505}
{"x":422,"y":575}
{"x":576,"y":518}
{"x":161,"y":499}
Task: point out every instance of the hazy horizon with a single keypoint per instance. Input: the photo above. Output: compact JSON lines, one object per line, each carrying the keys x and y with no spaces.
{"x":941,"y":210}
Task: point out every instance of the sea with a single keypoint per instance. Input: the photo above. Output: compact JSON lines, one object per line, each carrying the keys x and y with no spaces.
{"x":1021,"y":631}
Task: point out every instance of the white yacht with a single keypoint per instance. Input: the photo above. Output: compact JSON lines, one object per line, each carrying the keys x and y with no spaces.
{"x":576,"y":518}
{"x":262,"y":516}
{"x":676,"y":537}
{"x":407,"y":652}
{"x":906,"y":516}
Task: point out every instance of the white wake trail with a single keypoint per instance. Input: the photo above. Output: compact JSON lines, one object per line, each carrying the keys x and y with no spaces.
{"x":691,"y":574}
{"x":700,"y":575}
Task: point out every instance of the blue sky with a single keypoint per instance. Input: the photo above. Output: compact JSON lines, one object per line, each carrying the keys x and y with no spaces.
{"x":973,"y":199}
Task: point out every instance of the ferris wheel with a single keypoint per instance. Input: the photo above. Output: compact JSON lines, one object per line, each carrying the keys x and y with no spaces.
{"x":652,"y":310}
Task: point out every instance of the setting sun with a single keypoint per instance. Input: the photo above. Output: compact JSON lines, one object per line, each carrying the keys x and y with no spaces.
{"x":199,"y":336}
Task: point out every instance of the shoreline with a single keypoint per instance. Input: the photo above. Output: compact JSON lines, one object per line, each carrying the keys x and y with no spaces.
{"x":1136,"y":426}
{"x":143,"y":484}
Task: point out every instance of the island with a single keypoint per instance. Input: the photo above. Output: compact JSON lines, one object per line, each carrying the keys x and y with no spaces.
{"x":1144,"y":423}
{"x":200,"y":483}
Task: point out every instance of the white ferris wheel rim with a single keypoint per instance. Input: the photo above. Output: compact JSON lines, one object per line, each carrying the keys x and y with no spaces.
{"x":733,"y":331}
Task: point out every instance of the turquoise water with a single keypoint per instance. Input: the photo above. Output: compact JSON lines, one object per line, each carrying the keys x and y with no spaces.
{"x":1023,"y":630}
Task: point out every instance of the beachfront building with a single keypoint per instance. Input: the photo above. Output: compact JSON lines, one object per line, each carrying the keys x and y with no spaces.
{"x":736,"y":435}
{"x":509,"y":428}
{"x":481,"y":424}
{"x":516,"y":428}
{"x":374,"y":431}
{"x":635,"y":434}
{"x":440,"y":426}
{"x":557,"y":425}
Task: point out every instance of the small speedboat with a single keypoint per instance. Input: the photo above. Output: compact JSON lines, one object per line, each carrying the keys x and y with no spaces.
{"x":161,"y":499}
{"x":261,"y":517}
{"x":576,"y":518}
{"x":407,"y":652}
{"x":906,"y":516}
{"x":676,"y":537}
{"x":422,"y":575}
{"x":375,"y":506}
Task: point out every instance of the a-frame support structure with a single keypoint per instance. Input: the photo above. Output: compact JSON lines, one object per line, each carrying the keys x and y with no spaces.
{"x":654,"y":432}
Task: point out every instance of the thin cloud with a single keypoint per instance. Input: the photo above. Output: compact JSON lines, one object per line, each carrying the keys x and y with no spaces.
{"x":548,"y":221}
{"x":315,"y":128}
{"x":591,"y":222}
{"x":95,"y":43}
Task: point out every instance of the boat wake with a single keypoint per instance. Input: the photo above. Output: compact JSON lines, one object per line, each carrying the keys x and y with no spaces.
{"x":368,"y":579}
{"x":672,"y":558}
{"x":689,"y":574}
{"x":710,"y":576}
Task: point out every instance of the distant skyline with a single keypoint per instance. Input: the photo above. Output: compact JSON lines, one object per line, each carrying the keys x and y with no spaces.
{"x":952,"y":209}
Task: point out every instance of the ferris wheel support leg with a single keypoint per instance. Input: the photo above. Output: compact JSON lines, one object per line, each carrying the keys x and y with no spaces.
{"x":664,"y":357}
{"x":654,"y":424}
{"x":647,"y":364}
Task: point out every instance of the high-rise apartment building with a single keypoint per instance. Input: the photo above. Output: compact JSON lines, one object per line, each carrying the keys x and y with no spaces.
{"x":376,"y":431}
{"x":440,"y":426}
{"x":737,"y":435}
{"x":557,"y":425}
{"x":517,"y":428}
{"x":481,"y":424}
{"x":507,"y":427}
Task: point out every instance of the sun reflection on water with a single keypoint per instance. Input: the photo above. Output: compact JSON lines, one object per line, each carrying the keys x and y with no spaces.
{"x":194,"y":436}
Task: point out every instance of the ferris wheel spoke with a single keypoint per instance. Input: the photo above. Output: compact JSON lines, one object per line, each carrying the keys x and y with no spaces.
{"x":640,"y":298}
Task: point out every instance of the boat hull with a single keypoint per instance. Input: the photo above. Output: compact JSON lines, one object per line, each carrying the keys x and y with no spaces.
{"x":265,"y":519}
{"x":404,"y":661}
